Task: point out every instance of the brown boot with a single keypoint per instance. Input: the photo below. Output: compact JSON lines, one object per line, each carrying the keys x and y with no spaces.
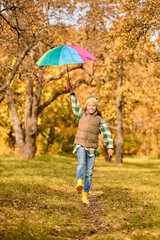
{"x":84,"y":198}
{"x":79,"y":186}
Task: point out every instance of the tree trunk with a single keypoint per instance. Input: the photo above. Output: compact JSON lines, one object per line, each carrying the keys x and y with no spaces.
{"x":51,"y":135}
{"x":26,"y":135}
{"x":11,"y":139}
{"x":19,"y":135}
{"x":119,"y":143}
{"x":28,"y":151}
{"x":26,"y":140}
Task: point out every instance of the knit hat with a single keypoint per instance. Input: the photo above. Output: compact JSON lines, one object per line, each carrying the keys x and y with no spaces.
{"x":92,"y":99}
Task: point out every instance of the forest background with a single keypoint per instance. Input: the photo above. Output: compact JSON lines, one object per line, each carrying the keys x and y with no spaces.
{"x":35,"y":109}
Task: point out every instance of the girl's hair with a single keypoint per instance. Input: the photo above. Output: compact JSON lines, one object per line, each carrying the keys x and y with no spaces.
{"x":98,"y":112}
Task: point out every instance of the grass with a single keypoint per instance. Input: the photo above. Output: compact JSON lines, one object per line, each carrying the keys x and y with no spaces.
{"x":38,"y":200}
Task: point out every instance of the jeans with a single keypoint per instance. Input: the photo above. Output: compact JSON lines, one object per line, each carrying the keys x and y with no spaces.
{"x":85,"y":163}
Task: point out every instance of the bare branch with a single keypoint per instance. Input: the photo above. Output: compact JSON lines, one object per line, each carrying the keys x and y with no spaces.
{"x":112,"y":127}
{"x":29,"y":99}
{"x":13,"y":27}
{"x":43,"y":135}
{"x":63,"y":91}
{"x":79,"y":66}
{"x":2,"y":98}
{"x":15,"y":68}
{"x":106,"y":73}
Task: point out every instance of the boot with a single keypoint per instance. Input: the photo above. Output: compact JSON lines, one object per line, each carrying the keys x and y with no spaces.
{"x":84,"y":198}
{"x":79,"y":186}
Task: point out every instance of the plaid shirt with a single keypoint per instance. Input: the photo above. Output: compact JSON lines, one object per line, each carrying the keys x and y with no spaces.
{"x":106,"y":134}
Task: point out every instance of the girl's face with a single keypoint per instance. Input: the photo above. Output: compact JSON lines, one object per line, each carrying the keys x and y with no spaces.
{"x":91,"y":107}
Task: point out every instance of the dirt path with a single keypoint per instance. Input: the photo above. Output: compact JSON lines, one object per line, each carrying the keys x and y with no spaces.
{"x":95,"y":217}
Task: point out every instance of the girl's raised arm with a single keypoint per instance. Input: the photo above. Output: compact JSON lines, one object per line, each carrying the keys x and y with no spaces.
{"x":76,"y":107}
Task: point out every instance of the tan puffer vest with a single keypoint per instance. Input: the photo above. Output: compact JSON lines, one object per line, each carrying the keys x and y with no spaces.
{"x":88,"y":130}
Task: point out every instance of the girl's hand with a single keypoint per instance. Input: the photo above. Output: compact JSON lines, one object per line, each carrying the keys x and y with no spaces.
{"x":69,"y":87}
{"x":110,"y":152}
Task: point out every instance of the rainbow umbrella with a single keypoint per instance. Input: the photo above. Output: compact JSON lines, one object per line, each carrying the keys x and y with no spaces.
{"x":65,"y":54}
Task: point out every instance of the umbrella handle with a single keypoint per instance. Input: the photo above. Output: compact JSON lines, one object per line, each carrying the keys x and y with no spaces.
{"x":68,"y":73}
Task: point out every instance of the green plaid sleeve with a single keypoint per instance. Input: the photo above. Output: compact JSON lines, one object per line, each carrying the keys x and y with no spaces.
{"x":76,"y":107}
{"x":106,"y":134}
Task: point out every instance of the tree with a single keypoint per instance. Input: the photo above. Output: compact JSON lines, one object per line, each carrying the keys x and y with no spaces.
{"x":29,"y":36}
{"x":136,"y":24}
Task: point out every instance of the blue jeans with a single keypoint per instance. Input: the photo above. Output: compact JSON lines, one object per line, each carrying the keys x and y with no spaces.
{"x":85,"y":163}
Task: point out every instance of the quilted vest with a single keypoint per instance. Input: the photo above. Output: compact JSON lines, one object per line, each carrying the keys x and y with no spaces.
{"x":88,"y":130}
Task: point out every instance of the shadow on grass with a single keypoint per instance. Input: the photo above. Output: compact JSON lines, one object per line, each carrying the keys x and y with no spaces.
{"x":125,"y":212}
{"x":34,"y":196}
{"x":40,"y":212}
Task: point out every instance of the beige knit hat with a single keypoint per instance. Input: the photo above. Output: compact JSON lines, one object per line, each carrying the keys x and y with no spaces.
{"x":92,"y":99}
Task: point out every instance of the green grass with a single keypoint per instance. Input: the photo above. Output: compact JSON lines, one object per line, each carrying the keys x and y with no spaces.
{"x":38,"y":200}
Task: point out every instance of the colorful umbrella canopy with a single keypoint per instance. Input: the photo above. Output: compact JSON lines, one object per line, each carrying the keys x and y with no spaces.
{"x":65,"y":54}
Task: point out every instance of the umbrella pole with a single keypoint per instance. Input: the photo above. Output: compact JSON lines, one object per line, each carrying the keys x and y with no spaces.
{"x":68,"y":73}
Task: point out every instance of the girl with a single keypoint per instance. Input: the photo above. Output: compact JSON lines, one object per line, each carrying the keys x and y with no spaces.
{"x":86,"y":141}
